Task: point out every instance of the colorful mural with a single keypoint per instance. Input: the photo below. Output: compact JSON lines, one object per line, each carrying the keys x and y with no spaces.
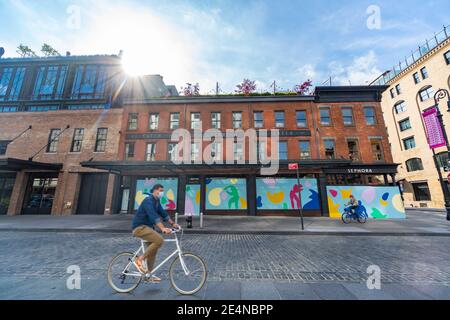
{"x":379,"y":202}
{"x":169,"y":201}
{"x":226,"y":194}
{"x":192,"y":201}
{"x":282,"y":194}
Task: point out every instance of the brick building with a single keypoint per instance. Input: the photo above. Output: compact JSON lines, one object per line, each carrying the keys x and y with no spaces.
{"x":337,"y":135}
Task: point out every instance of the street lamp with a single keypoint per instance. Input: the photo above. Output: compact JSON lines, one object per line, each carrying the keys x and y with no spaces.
{"x":439,"y":95}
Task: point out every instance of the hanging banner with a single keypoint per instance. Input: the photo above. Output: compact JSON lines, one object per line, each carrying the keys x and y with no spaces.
{"x":433,"y":127}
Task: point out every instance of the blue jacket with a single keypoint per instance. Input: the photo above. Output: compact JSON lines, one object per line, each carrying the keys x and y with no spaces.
{"x":150,"y":213}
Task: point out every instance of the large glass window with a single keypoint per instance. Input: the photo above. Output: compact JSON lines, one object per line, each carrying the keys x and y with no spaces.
{"x":258,"y":119}
{"x":330,"y":149}
{"x":280,"y":119}
{"x":172,"y":151}
{"x":426,"y":94}
{"x":50,"y":83}
{"x":414,"y":164}
{"x":369,"y":114}
{"x":216,"y":120}
{"x":100,"y":141}
{"x":9,"y":109}
{"x":77,"y":140}
{"x":40,"y":195}
{"x":409,"y":143}
{"x":301,"y":119}
{"x":226,"y":194}
{"x":150,"y":154}
{"x":174,"y":121}
{"x":90,"y":82}
{"x":325,"y":118}
{"x":11,"y":81}
{"x":129,"y":150}
{"x":153,"y":121}
{"x":421,"y":191}
{"x":237,"y":120}
{"x":305,"y":150}
{"x":196,"y":120}
{"x":53,"y":140}
{"x":133,"y":121}
{"x":347,"y":116}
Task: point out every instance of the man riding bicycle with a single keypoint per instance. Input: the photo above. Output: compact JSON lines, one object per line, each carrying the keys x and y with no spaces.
{"x":149,"y":215}
{"x":353,"y":204}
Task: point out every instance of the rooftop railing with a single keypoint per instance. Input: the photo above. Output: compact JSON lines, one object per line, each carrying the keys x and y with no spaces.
{"x":429,"y":45}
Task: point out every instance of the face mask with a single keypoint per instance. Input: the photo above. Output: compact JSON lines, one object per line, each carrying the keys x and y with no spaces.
{"x":161,"y":195}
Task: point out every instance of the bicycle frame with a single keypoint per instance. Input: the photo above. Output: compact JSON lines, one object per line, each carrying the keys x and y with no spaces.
{"x":141,"y":250}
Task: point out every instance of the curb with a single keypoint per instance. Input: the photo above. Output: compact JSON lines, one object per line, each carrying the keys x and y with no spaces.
{"x":216,"y":232}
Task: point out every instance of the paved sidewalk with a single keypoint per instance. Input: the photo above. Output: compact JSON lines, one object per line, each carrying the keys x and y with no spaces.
{"x":426,"y":223}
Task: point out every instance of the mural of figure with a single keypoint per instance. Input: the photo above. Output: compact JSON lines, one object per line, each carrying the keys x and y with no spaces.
{"x":295,"y":199}
{"x":234,"y":197}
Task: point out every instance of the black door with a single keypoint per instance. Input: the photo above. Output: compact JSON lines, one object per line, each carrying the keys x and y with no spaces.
{"x":93,"y":194}
{"x":6,"y":188}
{"x":40,"y":194}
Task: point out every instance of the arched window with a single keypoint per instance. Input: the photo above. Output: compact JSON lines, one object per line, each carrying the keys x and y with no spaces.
{"x":426,"y":93}
{"x":400,"y":107}
{"x":414,"y":164}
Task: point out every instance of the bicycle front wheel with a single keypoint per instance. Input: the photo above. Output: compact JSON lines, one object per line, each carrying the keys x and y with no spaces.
{"x":191,"y":278}
{"x":123,"y":276}
{"x":346,"y":218}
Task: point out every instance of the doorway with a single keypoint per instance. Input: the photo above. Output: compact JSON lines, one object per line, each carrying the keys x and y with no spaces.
{"x":92,"y":196}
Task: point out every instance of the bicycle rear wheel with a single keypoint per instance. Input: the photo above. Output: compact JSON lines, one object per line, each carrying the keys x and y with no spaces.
{"x":362,"y":218}
{"x":123,"y":276}
{"x":194,"y":280}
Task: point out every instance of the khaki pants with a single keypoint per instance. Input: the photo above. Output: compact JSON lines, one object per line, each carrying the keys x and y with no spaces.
{"x":155,"y":241}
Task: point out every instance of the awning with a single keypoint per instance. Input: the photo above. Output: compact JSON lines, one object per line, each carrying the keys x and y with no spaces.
{"x":12,"y":165}
{"x":142,"y":167}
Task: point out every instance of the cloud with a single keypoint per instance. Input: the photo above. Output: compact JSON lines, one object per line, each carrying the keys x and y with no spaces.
{"x":361,"y":71}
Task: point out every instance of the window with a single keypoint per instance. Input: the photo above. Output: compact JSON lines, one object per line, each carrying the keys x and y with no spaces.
{"x":77,"y":140}
{"x":392,"y":93}
{"x":301,"y":119}
{"x":3,"y":147}
{"x":42,"y":108}
{"x":153,"y":121}
{"x":216,"y":151}
{"x":172,"y":151}
{"x":447,"y":57}
{"x":11,"y":81}
{"x":150,"y":154}
{"x":325,"y":118}
{"x":442,"y":159}
{"x":195,"y":151}
{"x":196,"y":120}
{"x":280,"y":121}
{"x":400,"y":107}
{"x":305,"y":150}
{"x":398,"y":89}
{"x":129,"y":150}
{"x":87,"y":106}
{"x":409,"y":143}
{"x":50,"y":83}
{"x":424,"y":73}
{"x":100,"y":141}
{"x":216,"y":120}
{"x":259,"y":119}
{"x":421,"y":191}
{"x":330,"y":149}
{"x":89,"y":82}
{"x":174,"y":121}
{"x":377,"y":150}
{"x":132,"y":121}
{"x":404,"y":125}
{"x":353,"y":149}
{"x":53,"y":140}
{"x":262,"y":150}
{"x":416,"y":78}
{"x":426,"y":94}
{"x":347,"y":116}
{"x":414,"y":164}
{"x":237,"y":120}
{"x":9,"y":109}
{"x":369,"y":114}
{"x":283,"y":150}
{"x":238,"y":151}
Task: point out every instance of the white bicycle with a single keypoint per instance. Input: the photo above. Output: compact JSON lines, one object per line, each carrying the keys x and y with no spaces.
{"x":187,"y":273}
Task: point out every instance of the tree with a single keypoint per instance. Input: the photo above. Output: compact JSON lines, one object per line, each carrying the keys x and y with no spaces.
{"x":25,"y":51}
{"x":49,"y":51}
{"x":191,"y":90}
{"x":246,"y":87}
{"x":304,"y":88}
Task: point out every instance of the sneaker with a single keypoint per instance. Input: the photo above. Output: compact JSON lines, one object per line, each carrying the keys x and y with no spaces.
{"x":140,"y":266}
{"x":152,"y":279}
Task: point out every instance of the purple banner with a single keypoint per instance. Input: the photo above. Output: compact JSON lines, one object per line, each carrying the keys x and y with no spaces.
{"x":435,"y":134}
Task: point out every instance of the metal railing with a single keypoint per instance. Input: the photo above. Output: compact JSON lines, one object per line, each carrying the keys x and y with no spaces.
{"x":429,"y":45}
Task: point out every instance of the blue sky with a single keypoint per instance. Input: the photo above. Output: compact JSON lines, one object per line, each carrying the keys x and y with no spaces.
{"x":227,"y":40}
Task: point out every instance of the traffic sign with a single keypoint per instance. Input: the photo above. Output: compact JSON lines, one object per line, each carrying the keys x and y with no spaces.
{"x":293,"y":166}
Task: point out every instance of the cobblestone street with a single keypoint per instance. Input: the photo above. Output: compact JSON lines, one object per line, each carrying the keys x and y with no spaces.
{"x":34,"y":266}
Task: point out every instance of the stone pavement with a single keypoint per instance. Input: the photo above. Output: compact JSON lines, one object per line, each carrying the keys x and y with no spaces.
{"x":417,"y":223}
{"x":34,"y":266}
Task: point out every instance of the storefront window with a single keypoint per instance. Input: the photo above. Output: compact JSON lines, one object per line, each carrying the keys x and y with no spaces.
{"x":421,"y":192}
{"x":226,"y":194}
{"x":144,"y":187}
{"x":41,"y":195}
